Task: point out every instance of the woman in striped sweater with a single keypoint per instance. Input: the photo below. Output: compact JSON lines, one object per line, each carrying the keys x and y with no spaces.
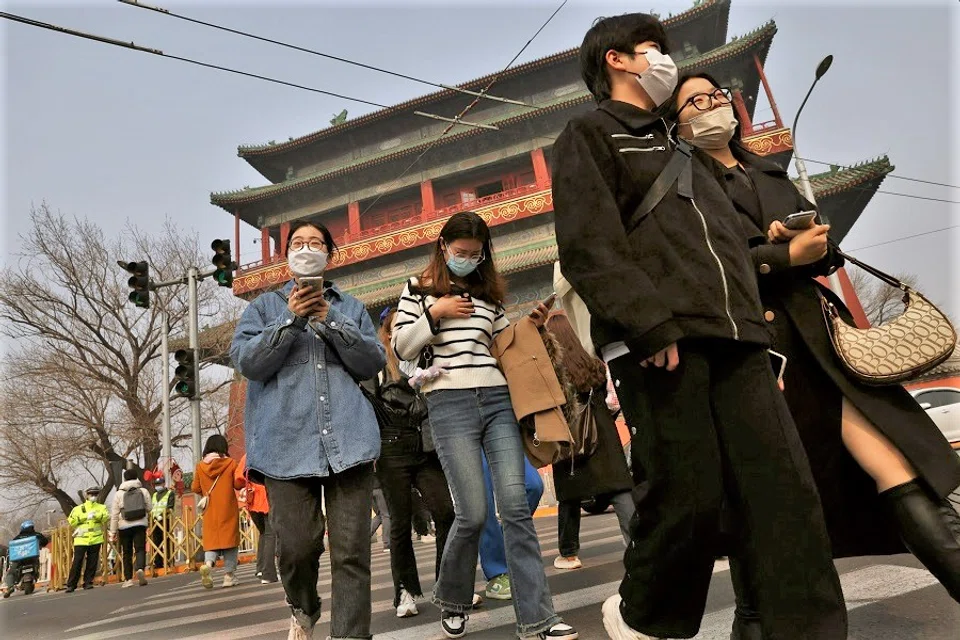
{"x":454,"y":312}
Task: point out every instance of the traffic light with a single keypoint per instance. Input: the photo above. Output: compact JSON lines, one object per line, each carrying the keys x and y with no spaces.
{"x":221,"y":260}
{"x":185,"y":383}
{"x":139,"y":281}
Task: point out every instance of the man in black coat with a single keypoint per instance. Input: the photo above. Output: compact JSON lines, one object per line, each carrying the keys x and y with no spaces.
{"x":676,"y":315}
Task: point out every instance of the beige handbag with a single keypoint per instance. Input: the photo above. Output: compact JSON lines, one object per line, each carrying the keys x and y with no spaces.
{"x":897,"y":351}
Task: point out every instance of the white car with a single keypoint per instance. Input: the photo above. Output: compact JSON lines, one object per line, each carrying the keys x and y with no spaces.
{"x":942,"y":404}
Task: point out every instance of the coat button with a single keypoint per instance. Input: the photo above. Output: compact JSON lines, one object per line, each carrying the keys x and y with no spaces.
{"x":764,"y":269}
{"x":769,"y":316}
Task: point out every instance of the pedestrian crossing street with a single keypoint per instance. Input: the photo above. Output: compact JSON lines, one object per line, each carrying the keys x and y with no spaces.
{"x":178,"y":607}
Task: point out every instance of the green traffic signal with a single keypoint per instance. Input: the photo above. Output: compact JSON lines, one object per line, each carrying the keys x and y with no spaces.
{"x":139,"y":281}
{"x":185,"y":385}
{"x":221,"y":260}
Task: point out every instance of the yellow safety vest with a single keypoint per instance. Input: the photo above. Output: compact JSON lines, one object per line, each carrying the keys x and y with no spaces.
{"x":160,"y":505}
{"x":88,"y":530}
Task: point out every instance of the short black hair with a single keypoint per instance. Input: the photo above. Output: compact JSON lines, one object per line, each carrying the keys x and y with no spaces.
{"x":130,"y":474}
{"x":327,"y":236}
{"x":619,"y":33}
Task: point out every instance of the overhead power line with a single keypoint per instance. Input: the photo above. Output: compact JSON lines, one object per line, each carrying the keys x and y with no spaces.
{"x":157,"y":52}
{"x":468,"y":107}
{"x":370,"y":67}
{"x":916,"y":235}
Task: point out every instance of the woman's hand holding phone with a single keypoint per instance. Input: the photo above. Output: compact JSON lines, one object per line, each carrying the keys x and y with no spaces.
{"x":542,"y":310}
{"x":307,"y":302}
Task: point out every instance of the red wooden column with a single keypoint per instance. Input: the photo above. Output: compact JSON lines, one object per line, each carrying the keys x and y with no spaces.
{"x":284,"y":232}
{"x":353,"y":219}
{"x":427,"y":198}
{"x":746,"y":129}
{"x":540,"y":171}
{"x":766,"y":87}
{"x":265,"y":245}
{"x":236,"y":237}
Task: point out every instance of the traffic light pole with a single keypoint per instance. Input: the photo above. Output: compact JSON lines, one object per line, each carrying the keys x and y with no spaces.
{"x":167,"y":436}
{"x":192,"y":279}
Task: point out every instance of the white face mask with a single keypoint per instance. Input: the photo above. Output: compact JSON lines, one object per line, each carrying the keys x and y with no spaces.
{"x":713,"y":129}
{"x":660,"y":79}
{"x":305,"y":262}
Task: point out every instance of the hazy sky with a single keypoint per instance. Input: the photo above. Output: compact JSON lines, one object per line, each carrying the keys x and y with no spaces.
{"x":112,"y":135}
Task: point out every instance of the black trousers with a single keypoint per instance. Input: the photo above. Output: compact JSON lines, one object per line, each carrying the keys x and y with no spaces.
{"x":133,"y":544}
{"x":295,"y":506}
{"x":421,"y":515}
{"x":90,"y":553}
{"x":715,"y":437}
{"x":267,"y":549}
{"x":398,"y":475}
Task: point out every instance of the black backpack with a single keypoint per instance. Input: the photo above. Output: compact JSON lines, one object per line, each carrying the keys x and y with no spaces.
{"x":134,"y":505}
{"x":396,"y":403}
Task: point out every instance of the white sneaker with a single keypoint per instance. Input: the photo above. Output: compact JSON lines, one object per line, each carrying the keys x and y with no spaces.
{"x":477,"y":600}
{"x":229,"y":580}
{"x":141,"y":579}
{"x":205,"y":578}
{"x":567,"y":563}
{"x":128,"y":583}
{"x":407,"y":606}
{"x":298,"y":632}
{"x":613,"y":622}
{"x":428,"y":538}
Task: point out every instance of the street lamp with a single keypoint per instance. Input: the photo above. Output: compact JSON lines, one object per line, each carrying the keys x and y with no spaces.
{"x":801,"y":166}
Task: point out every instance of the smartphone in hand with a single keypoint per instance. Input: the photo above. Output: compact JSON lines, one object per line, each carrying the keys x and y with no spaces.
{"x":799,"y":221}
{"x":550,"y":301}
{"x":311,"y":282}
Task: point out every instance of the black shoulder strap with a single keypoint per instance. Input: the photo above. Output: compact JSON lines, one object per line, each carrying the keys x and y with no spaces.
{"x":678,"y":167}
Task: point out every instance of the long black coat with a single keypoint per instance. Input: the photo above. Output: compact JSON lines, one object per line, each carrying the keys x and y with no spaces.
{"x":816,"y":382}
{"x":605,"y":472}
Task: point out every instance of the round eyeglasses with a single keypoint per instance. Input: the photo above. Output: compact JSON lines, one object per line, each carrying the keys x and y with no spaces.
{"x":705,"y":101}
{"x":312,"y":245}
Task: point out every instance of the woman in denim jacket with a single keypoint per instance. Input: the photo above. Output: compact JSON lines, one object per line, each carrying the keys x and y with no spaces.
{"x":310,"y":432}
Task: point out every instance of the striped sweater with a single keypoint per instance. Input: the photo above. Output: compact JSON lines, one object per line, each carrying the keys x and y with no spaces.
{"x":460,"y":345}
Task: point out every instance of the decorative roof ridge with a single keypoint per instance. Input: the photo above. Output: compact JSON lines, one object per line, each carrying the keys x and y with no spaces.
{"x":881,"y":162}
{"x":292,"y":142}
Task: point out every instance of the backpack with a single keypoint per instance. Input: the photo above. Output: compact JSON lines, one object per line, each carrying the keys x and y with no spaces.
{"x":134,"y":505}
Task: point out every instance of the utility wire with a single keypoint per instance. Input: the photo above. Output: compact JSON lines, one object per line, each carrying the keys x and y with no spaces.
{"x":157,"y":52}
{"x":467,"y":108}
{"x":891,"y":175}
{"x":916,"y":235}
{"x":245,"y":34}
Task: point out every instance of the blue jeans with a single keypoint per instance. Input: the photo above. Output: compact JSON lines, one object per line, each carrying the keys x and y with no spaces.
{"x":467,"y":423}
{"x":230,"y":558}
{"x":493,"y":554}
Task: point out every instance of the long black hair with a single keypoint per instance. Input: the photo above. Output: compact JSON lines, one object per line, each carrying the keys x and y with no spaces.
{"x":483,"y":283}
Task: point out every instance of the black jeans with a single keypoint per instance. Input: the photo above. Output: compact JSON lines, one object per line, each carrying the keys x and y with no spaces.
{"x":382,"y":516}
{"x":401,"y":469}
{"x":267,"y":548}
{"x":568,"y":521}
{"x":90,"y":553}
{"x":300,"y":522}
{"x":715,"y":437}
{"x":421,"y":515}
{"x":133,"y":541}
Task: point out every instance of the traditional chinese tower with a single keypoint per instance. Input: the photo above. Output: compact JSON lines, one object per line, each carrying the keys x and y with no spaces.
{"x":350,"y":176}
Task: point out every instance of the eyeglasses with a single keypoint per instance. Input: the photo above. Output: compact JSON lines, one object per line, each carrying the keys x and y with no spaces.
{"x":313,"y":245}
{"x":705,"y":101}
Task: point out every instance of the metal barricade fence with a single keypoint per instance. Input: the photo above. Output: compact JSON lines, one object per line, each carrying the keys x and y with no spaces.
{"x":176,"y":540}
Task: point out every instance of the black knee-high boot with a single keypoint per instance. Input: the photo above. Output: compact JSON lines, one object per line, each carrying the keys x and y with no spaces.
{"x":930,"y":528}
{"x":746,"y":617}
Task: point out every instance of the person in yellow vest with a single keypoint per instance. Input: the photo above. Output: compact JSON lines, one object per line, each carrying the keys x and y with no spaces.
{"x":163,"y":501}
{"x":87,"y":521}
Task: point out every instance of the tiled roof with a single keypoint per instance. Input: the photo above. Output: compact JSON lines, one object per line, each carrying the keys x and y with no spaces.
{"x":832,"y":182}
{"x":473,"y":85}
{"x":760,"y":36}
